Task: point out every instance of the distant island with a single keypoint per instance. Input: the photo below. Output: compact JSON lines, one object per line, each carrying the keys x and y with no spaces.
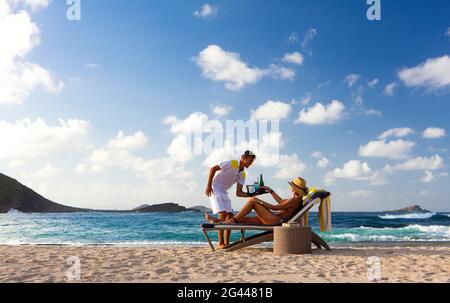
{"x":16,"y":196}
{"x":409,"y":209}
{"x":169,"y":207}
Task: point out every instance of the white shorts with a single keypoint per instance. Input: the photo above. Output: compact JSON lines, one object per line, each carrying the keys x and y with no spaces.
{"x":220,"y":202}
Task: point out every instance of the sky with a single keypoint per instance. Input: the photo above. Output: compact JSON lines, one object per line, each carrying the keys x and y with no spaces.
{"x":95,"y":112}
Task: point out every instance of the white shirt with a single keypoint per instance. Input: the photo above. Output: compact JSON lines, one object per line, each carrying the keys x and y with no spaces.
{"x":228,"y":175}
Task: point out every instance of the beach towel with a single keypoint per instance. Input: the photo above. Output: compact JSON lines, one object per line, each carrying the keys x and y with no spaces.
{"x":324,"y":213}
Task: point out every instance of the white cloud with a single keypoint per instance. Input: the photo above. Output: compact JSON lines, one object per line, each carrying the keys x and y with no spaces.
{"x":116,"y":153}
{"x":434,"y":133}
{"x":221,"y":110}
{"x":121,"y":153}
{"x":91,"y":65}
{"x":33,"y":4}
{"x":26,"y":139}
{"x":309,"y":36}
{"x":280,"y":73}
{"x":293,"y":38}
{"x":216,"y":144}
{"x":323,"y":163}
{"x":432,"y":74}
{"x":428,"y":177}
{"x":46,"y":172}
{"x":373,"y":82}
{"x":396,"y":132}
{"x":294,"y":58}
{"x":306,"y":99}
{"x":219,"y":154}
{"x":317,"y":154}
{"x":289,"y":167}
{"x":422,"y":163}
{"x":448,"y":32}
{"x":320,"y":114}
{"x":389,"y":90}
{"x":352,"y":79}
{"x":195,"y":122}
{"x":359,"y":101}
{"x":373,"y":112}
{"x":220,"y":65}
{"x":360,"y":171}
{"x":18,"y":77}
{"x":360,"y":193}
{"x":272,"y":110}
{"x":207,"y":10}
{"x":398,"y":149}
{"x":180,"y":149}
{"x":353,"y":170}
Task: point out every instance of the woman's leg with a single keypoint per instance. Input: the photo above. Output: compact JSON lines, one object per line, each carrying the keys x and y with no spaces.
{"x":265,"y":215}
{"x":245,"y":210}
{"x":250,"y":220}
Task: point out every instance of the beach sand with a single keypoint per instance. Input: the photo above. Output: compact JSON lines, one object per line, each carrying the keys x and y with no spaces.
{"x":399,"y":263}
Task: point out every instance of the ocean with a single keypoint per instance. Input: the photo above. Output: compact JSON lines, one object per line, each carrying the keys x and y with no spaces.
{"x":184,"y":228}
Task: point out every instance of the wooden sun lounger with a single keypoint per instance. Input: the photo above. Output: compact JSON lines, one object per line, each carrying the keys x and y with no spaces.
{"x":267,"y":230}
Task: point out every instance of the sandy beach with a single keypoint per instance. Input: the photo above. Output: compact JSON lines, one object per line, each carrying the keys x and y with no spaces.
{"x":399,"y":263}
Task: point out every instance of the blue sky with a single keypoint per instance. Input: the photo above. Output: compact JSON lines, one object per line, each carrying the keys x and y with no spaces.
{"x":128,"y":65}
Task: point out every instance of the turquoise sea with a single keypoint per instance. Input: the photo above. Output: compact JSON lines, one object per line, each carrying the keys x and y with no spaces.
{"x":184,"y":228}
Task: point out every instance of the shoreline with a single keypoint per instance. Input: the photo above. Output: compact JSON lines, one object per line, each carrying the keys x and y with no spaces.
{"x":205,"y":245}
{"x":397,"y":262}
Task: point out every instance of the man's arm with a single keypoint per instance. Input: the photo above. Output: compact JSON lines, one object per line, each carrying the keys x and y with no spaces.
{"x":239,"y":191}
{"x":209,"y":191}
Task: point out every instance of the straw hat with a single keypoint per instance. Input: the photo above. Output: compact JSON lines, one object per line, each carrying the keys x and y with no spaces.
{"x":299,"y":185}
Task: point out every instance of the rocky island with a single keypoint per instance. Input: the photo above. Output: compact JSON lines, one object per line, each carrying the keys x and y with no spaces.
{"x":409,"y":209}
{"x":165,"y":207}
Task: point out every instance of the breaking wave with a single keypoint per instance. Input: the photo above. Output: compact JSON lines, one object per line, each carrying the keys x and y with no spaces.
{"x":408,"y":216}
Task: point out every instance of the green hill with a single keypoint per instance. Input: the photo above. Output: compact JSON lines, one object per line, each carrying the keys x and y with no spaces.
{"x":14,"y":195}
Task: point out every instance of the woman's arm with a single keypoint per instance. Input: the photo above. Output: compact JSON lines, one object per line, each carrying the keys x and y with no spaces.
{"x":274,"y":194}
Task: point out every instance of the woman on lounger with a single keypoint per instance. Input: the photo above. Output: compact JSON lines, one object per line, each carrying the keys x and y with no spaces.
{"x":266,"y":213}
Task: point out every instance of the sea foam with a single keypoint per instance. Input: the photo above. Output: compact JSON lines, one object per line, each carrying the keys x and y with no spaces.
{"x":408,"y":216}
{"x":390,"y":234}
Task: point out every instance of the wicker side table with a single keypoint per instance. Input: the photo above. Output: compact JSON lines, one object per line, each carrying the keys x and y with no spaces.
{"x":292,"y":240}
